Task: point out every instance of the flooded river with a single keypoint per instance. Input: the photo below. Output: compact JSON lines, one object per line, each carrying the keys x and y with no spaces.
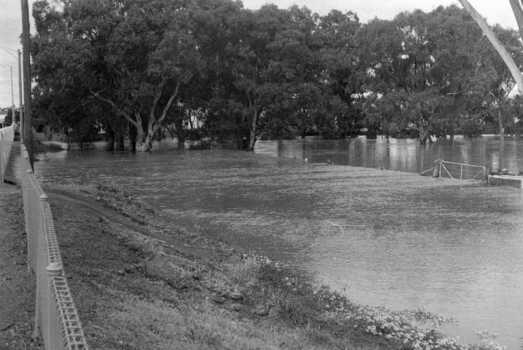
{"x":402,"y":154}
{"x":390,"y":238}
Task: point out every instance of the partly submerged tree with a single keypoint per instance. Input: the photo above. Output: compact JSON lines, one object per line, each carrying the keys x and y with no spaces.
{"x":148,"y":68}
{"x":416,"y":65}
{"x":133,"y":57}
{"x":152,"y":55}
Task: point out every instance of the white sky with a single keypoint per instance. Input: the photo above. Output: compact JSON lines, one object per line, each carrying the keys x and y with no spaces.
{"x":10,"y":24}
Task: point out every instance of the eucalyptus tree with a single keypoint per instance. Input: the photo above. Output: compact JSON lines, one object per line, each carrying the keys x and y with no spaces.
{"x":152,"y":55}
{"x":420,"y":72}
{"x":59,"y":68}
{"x":381,"y":61}
{"x":134,"y":57}
{"x":455,"y":51}
{"x":292,"y":106}
{"x":146,"y":67}
{"x":342,"y":70}
{"x":253,"y":71}
{"x":494,"y":82}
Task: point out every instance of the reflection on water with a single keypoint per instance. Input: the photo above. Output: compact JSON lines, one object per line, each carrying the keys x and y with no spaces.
{"x":401,"y":154}
{"x":385,"y":237}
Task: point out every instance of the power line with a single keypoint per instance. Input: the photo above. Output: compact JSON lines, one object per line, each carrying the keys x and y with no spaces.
{"x":9,"y":51}
{"x":11,"y":81}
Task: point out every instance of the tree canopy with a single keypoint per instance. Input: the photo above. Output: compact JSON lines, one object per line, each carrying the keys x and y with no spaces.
{"x":211,"y":68}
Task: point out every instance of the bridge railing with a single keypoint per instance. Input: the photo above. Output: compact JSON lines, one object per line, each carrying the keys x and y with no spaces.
{"x":7,"y":135}
{"x":56,"y":317}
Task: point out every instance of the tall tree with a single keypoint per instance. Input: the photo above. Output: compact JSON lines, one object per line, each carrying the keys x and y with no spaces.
{"x":506,"y":56}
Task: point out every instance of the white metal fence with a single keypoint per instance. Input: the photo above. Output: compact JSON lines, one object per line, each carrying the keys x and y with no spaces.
{"x":56,"y":317}
{"x":6,"y":141}
{"x":455,"y":170}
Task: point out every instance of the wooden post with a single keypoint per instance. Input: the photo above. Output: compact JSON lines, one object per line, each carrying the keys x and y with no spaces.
{"x":12,"y":95}
{"x":20,"y":95}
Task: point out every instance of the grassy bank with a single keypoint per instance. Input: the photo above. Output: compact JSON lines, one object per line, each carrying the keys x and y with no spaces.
{"x":140,"y":283}
{"x":17,"y":285}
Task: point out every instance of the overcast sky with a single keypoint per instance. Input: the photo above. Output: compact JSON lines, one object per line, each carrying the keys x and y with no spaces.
{"x":495,"y":11}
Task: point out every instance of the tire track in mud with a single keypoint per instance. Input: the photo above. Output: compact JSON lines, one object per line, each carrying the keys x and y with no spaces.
{"x":185,"y":244}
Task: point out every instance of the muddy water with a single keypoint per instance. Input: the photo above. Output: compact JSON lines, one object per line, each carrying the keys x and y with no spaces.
{"x":402,"y":154}
{"x":384,"y":237}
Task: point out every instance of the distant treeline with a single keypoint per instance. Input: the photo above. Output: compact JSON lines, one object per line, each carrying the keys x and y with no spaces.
{"x":144,"y":69}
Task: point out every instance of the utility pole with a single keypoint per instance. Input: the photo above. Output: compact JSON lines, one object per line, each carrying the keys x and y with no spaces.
{"x":20,"y":96}
{"x":12,"y":93}
{"x":26,"y":45}
{"x":12,"y":96}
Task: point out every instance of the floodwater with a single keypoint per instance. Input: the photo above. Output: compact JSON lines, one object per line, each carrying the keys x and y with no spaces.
{"x":385,"y":238}
{"x":402,"y":154}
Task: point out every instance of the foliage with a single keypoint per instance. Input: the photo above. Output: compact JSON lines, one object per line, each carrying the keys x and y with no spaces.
{"x":155,"y":68}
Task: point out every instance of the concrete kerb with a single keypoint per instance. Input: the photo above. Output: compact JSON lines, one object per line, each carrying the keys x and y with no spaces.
{"x":56,"y":317}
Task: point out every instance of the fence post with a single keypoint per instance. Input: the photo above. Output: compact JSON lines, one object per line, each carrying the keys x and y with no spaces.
{"x":29,"y":235}
{"x":39,"y":231}
{"x":437,"y":168}
{"x":56,"y":321}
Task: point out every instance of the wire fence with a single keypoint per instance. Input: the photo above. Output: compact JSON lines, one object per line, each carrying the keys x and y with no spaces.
{"x":7,"y":135}
{"x":455,"y":170}
{"x":56,"y":317}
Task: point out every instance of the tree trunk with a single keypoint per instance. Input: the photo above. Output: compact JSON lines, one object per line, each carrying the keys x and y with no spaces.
{"x":144,"y":141}
{"x":179,"y":130}
{"x":252,"y":136}
{"x":501,"y":127}
{"x":423,"y":135}
{"x":501,"y":131}
{"x":372,"y":132}
{"x":120,"y":147}
{"x":132,"y":138}
{"x":147,"y":144}
{"x":181,"y":139}
{"x":501,"y":152}
{"x":110,"y":140}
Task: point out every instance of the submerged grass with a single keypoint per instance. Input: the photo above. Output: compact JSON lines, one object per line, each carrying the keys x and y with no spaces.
{"x":145,"y":286}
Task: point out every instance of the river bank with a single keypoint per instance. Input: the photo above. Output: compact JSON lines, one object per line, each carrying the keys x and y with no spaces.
{"x":135,"y":289}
